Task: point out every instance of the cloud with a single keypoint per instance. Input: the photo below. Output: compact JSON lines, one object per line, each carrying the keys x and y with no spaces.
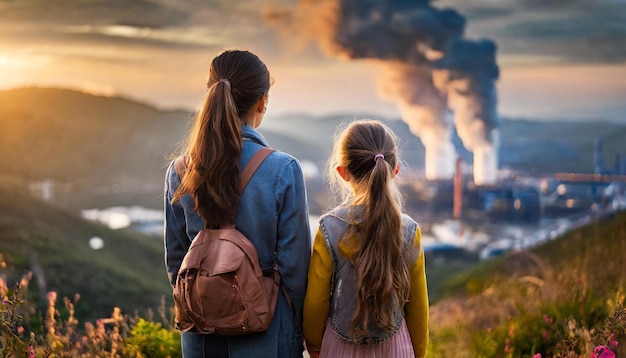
{"x":159,"y":50}
{"x":143,"y":13}
{"x":571,"y":31}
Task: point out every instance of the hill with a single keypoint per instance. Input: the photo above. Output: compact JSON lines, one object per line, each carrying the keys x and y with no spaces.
{"x":316,"y":133}
{"x":526,"y":145}
{"x":54,"y":244}
{"x":97,"y":146}
{"x":560,"y":299}
{"x":105,"y":151}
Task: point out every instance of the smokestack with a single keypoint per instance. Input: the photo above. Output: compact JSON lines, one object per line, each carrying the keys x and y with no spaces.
{"x":486,"y":161}
{"x":457,"y":205}
{"x":467,"y":73}
{"x":597,"y":156}
{"x":425,"y":112}
{"x":433,"y":74}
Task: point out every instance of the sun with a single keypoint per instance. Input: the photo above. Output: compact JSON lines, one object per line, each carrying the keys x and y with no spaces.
{"x":6,"y":66}
{"x":13,"y":70}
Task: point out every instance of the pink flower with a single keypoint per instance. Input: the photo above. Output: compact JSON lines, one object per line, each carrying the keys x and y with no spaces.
{"x":602,"y":352}
{"x":20,"y":329}
{"x":31,"y":351}
{"x":538,"y":355}
{"x":52,"y":296}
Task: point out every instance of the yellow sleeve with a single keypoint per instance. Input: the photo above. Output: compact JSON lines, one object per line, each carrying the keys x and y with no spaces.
{"x":317,"y":299}
{"x":416,"y":310}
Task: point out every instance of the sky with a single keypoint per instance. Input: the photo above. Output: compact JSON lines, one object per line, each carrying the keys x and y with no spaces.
{"x":558,"y":59}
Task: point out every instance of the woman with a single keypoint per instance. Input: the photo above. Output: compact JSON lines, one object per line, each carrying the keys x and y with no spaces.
{"x":272,"y":210}
{"x":367,"y":293}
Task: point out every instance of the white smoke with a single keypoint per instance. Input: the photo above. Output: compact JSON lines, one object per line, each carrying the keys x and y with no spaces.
{"x":424,"y":110}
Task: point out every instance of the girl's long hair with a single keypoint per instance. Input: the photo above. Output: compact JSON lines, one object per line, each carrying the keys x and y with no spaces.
{"x":237,"y":80}
{"x":380,"y":265}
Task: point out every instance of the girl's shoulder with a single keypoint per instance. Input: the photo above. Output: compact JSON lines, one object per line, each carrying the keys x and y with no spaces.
{"x":407,"y":220}
{"x":342,"y":212}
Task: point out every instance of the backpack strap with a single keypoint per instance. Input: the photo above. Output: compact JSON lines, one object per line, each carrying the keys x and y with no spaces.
{"x":253,"y":164}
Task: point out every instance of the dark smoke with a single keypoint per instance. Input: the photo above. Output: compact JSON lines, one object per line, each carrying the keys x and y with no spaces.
{"x":394,"y":30}
{"x":430,"y":70}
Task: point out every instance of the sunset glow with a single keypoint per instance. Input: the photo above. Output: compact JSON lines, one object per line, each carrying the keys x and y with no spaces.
{"x":164,"y":59}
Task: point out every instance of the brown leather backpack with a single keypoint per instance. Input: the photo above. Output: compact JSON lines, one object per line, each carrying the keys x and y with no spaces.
{"x":220,"y":287}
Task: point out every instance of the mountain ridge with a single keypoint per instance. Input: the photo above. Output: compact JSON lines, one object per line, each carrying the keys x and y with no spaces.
{"x":103,"y":151}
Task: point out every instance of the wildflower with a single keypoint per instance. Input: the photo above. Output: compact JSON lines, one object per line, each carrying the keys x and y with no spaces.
{"x":538,"y":355}
{"x":511,"y":330}
{"x":20,"y":330}
{"x":25,"y":279}
{"x":547,"y":319}
{"x":31,"y":351}
{"x":602,"y":352}
{"x":612,"y":341}
{"x":52,"y":296}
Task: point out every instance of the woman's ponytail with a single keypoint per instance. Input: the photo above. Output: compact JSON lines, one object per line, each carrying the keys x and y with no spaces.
{"x":238,"y":79}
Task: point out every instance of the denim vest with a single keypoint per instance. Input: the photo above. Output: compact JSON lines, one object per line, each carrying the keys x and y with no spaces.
{"x":343,"y":291}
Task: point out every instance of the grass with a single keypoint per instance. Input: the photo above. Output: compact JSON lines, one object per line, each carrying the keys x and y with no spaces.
{"x":561,"y":299}
{"x":53,"y":244}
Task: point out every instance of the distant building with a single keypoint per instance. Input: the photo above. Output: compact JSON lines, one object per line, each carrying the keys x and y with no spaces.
{"x":43,"y":190}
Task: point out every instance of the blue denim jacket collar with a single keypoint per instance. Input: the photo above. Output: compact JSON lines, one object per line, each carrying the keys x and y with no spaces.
{"x":251,"y":134}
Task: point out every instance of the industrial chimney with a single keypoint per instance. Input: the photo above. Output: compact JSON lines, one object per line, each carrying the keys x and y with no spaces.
{"x":597,"y":156}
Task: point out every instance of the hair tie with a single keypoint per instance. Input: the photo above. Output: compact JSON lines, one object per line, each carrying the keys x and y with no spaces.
{"x":378,"y":156}
{"x":224,"y":80}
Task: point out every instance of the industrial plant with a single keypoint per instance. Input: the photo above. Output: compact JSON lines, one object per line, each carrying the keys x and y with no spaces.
{"x":491,"y":212}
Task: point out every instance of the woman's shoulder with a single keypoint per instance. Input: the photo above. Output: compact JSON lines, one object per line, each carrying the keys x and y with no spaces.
{"x":281,"y":161}
{"x":283,"y":156}
{"x":172,"y":177}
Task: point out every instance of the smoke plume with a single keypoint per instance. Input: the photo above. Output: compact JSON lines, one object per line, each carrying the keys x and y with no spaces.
{"x":436,"y":77}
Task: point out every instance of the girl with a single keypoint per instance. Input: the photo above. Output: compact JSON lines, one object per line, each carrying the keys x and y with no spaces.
{"x":272,"y":209}
{"x":366,"y":294}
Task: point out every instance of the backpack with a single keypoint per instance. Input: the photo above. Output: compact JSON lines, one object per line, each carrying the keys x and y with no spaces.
{"x":220,"y":287}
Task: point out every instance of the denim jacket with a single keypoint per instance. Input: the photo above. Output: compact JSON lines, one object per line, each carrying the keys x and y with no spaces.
{"x":272,"y":214}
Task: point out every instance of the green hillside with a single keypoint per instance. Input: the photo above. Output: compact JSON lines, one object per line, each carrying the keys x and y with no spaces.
{"x":560,"y":299}
{"x":69,"y":135}
{"x":99,"y":149}
{"x":127,"y":272}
